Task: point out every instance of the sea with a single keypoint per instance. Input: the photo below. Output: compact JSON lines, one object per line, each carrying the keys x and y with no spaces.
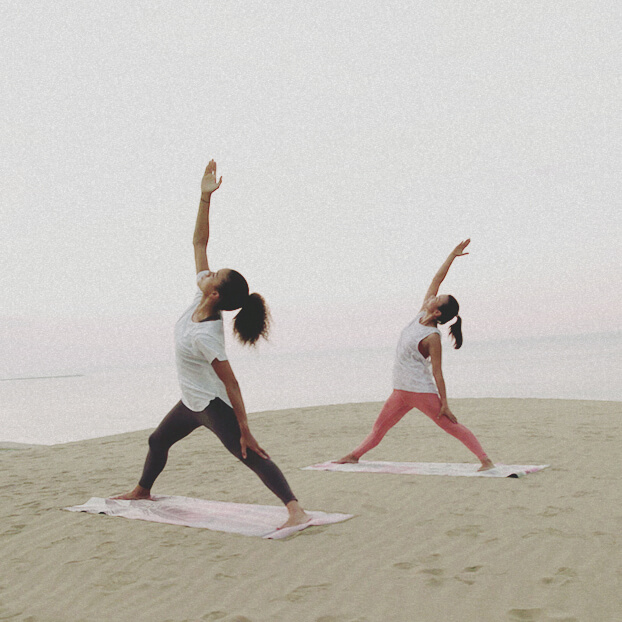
{"x":60,"y":404}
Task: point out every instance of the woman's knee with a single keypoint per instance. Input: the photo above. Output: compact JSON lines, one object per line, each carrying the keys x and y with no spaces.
{"x":455,"y":429}
{"x":254,"y":461}
{"x":156,"y":442}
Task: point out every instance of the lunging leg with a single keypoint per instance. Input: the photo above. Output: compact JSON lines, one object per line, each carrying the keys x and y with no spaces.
{"x":430,"y":404}
{"x":221,"y":420}
{"x":392,"y":411}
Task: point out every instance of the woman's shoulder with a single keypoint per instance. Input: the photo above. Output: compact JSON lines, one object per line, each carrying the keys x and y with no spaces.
{"x":210,"y":334}
{"x":211,"y":327}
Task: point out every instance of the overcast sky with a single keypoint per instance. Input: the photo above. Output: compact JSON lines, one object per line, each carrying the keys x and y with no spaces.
{"x":358,"y":141}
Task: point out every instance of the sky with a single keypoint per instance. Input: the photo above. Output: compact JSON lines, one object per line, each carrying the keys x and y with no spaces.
{"x":359,"y":142}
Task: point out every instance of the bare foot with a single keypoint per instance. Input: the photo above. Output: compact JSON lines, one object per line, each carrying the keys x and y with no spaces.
{"x":487,"y":464}
{"x":297,"y":516}
{"x":138,"y":493}
{"x":349,"y":459}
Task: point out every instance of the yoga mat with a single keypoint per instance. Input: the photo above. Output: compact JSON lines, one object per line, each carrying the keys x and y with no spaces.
{"x":242,"y":518}
{"x":429,"y":468}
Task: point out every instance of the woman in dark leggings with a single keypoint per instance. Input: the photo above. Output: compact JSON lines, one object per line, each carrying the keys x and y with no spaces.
{"x":210,"y":393}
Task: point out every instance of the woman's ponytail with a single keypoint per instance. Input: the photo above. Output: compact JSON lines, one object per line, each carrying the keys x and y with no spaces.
{"x":456,"y":332}
{"x":449,"y":311}
{"x":252,"y":320}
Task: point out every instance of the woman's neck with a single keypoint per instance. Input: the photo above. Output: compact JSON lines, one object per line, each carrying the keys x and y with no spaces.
{"x":428,"y":320}
{"x":205,"y":309}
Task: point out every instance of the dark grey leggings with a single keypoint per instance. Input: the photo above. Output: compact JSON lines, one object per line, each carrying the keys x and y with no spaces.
{"x":221,"y":420}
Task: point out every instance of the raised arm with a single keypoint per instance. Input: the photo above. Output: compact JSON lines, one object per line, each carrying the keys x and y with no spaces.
{"x":209,"y":185}
{"x":439,"y":277}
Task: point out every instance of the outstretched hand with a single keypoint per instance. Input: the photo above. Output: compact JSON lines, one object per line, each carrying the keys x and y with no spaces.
{"x":459,"y":250}
{"x":209,"y":183}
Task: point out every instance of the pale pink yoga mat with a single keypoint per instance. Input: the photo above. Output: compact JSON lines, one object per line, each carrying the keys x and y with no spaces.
{"x":429,"y":468}
{"x":242,"y":518}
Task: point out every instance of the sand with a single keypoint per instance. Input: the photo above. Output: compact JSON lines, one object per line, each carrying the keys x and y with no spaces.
{"x":542,"y":548}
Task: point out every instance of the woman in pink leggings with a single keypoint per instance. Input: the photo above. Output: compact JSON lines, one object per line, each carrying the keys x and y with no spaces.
{"x":417,"y":373}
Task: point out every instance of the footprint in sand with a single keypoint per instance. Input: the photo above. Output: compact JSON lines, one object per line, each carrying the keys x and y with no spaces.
{"x":514,"y":509}
{"x":105,"y":547}
{"x":472,"y":568}
{"x":538,"y":615}
{"x":551,"y":510}
{"x":14,"y":530}
{"x":303,"y":591}
{"x":468,"y":575}
{"x":435,"y":576}
{"x":562,"y":576}
{"x":525,"y":615}
{"x":424,"y":561}
{"x":583,"y":493}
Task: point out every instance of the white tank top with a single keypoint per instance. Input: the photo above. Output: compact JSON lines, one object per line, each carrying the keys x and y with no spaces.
{"x":411,"y":371}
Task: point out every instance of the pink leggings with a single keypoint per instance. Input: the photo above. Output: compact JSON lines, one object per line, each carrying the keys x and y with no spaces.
{"x":399,"y":403}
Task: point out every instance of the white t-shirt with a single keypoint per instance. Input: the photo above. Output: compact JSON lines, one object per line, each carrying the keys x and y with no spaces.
{"x":411,"y":371}
{"x":197,"y":344}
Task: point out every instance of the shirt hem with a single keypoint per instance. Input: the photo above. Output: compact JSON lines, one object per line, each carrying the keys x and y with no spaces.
{"x":417,"y":389}
{"x":194,"y":410}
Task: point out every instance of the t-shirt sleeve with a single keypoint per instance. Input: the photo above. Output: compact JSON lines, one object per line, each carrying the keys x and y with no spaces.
{"x":210,"y":348}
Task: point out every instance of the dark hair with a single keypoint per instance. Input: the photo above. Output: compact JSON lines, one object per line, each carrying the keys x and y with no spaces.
{"x":449,"y":311}
{"x":253,"y":319}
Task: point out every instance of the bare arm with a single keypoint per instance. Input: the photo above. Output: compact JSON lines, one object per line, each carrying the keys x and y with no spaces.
{"x":434,"y":344}
{"x":209,"y":185}
{"x":439,"y":277}
{"x":247,"y":441}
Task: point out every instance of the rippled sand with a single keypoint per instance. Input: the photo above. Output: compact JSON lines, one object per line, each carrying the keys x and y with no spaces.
{"x":541,"y":548}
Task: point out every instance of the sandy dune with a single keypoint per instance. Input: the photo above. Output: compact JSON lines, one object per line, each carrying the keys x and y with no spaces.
{"x":543,"y":548}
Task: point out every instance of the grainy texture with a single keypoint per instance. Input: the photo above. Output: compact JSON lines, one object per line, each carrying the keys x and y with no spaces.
{"x":544,"y":548}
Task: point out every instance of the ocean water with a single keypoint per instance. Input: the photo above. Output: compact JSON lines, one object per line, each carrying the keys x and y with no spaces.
{"x":62,"y":404}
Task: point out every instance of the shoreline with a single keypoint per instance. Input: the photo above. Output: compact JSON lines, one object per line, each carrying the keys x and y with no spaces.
{"x":16,"y":445}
